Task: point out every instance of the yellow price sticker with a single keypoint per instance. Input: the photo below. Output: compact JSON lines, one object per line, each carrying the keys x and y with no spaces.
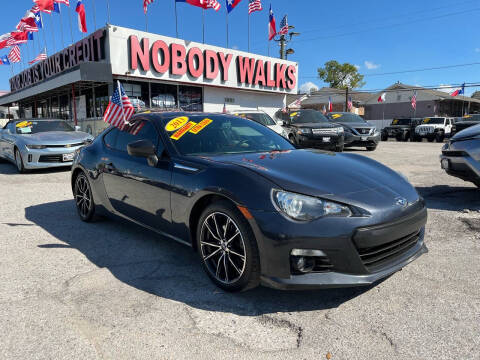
{"x":177,"y":135}
{"x":201,"y":125}
{"x":336,"y":116}
{"x":293,"y":114}
{"x":426,"y":120}
{"x":176,"y":123}
{"x":395,"y":122}
{"x":24,"y":124}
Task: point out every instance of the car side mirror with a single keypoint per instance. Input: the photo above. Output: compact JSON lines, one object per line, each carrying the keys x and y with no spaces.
{"x":144,"y":149}
{"x":77,"y":128}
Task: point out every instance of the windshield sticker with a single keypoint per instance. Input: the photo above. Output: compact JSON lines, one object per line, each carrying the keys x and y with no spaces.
{"x":293,"y":114}
{"x":25,"y":130}
{"x":426,"y":120}
{"x":24,"y":124}
{"x":336,"y":116}
{"x":467,"y":116}
{"x":395,"y":122}
{"x":183,"y":131}
{"x":201,"y":125}
{"x":176,"y":123}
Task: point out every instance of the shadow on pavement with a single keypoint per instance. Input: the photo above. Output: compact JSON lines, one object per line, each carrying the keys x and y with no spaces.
{"x":444,"y":197}
{"x":160,"y":266}
{"x":8,"y":168}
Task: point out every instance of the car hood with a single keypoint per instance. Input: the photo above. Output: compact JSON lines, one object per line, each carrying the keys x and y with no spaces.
{"x":315,"y":125}
{"x":467,"y":133}
{"x":57,"y":137}
{"x":349,"y":178}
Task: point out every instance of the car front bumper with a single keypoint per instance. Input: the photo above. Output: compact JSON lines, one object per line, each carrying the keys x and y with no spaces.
{"x":47,"y":158}
{"x":320,"y":141}
{"x":462,"y":160}
{"x":362,"y":140}
{"x":348,"y":244}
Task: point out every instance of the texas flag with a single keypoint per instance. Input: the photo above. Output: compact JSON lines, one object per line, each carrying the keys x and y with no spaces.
{"x":45,"y":4}
{"x":382,"y":98}
{"x":82,"y":18}
{"x":4,"y":60}
{"x":231,"y":4}
{"x":458,"y":91}
{"x":272,"y":26}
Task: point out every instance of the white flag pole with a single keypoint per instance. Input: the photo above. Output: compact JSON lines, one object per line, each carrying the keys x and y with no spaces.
{"x":121,"y":101}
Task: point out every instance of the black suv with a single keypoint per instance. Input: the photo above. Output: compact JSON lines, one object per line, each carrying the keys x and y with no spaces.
{"x":358,"y":132}
{"x":401,"y":129}
{"x":310,"y":128}
{"x":466,"y":122}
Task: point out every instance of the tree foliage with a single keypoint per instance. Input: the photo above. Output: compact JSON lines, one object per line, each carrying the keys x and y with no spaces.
{"x":341,"y":76}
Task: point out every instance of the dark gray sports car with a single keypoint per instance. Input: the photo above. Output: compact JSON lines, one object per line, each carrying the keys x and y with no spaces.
{"x":256,"y":209}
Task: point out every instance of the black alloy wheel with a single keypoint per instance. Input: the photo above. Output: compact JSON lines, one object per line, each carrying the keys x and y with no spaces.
{"x":439,"y":138}
{"x":83,"y":198}
{"x":228,"y":248}
{"x":384,"y":136}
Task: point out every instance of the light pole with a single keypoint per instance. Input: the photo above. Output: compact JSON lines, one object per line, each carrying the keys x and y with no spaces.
{"x":284,"y":41}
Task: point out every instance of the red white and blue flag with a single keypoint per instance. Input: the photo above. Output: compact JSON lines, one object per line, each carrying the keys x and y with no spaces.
{"x":66,"y":2}
{"x":14,"y":55}
{"x":283,"y":26}
{"x":231,"y":4}
{"x":82,"y":17}
{"x":145,"y":5}
{"x":272,"y":26}
{"x":330,"y":105}
{"x":120,"y":109}
{"x":4,"y":60}
{"x":45,"y":5}
{"x":40,"y":57}
{"x":349,"y":103}
{"x":414,"y":100}
{"x":17,"y":38}
{"x":254,"y":5}
{"x":205,"y":4}
{"x":458,"y":91}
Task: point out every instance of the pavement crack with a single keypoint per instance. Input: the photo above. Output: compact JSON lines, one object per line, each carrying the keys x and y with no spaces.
{"x":282,"y":323}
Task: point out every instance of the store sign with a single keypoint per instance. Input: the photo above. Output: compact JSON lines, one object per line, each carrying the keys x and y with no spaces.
{"x":90,"y":49}
{"x":175,"y":59}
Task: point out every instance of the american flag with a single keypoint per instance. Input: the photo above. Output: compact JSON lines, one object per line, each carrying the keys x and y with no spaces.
{"x":14,"y":55}
{"x":350,"y":103}
{"x":135,"y":128}
{"x":284,"y":26}
{"x":36,"y":9}
{"x":66,"y":2}
{"x":40,"y":57}
{"x":16,"y":38}
{"x":145,"y":4}
{"x":254,"y":5}
{"x":414,"y":100}
{"x":119,"y":110}
{"x":214,"y":4}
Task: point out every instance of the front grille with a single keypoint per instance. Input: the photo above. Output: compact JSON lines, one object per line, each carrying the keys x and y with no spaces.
{"x":324,"y":132}
{"x":454,"y":153}
{"x":425,"y":129}
{"x":65,"y":145}
{"x":376,"y":256}
{"x":364,"y":131}
{"x":50,"y":158}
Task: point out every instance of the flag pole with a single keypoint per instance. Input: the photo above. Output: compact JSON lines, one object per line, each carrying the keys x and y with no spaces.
{"x":61,"y":26}
{"x":108,"y":11}
{"x":227,"y":27}
{"x":176,"y":18}
{"x":248,"y":32}
{"x":71,"y":26}
{"x":94,"y":15}
{"x":146,"y":21}
{"x":43,"y":31}
{"x":121,"y":101}
{"x":53,"y":34}
{"x":203,"y":25}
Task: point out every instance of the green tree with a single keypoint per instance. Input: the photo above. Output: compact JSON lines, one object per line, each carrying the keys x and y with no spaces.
{"x":341,"y":76}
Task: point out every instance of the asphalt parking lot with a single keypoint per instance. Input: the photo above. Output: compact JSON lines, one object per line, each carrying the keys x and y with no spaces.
{"x":111,"y":290}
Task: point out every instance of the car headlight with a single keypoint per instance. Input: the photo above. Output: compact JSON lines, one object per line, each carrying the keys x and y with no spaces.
{"x":340,"y":130}
{"x":306,"y":208}
{"x":36,"y":147}
{"x":304,"y":131}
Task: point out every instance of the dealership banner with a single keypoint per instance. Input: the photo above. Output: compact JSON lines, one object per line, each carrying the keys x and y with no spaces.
{"x":140,"y":54}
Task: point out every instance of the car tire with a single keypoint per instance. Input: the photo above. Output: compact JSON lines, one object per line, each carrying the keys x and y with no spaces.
{"x":371,"y":148}
{"x":231,"y":261}
{"x":431,"y":139}
{"x":83,"y":196}
{"x":19,"y":162}
{"x":339,"y":148}
{"x":406,"y":136}
{"x":384,"y":136}
{"x":439,"y":138}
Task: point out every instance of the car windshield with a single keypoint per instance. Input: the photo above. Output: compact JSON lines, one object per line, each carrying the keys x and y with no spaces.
{"x":221,"y":134}
{"x":39,"y":126}
{"x":307,"y":116}
{"x":401,"y":122}
{"x":433,"y":120}
{"x":345,"y":118}
{"x":474,"y":117}
{"x":260,"y":118}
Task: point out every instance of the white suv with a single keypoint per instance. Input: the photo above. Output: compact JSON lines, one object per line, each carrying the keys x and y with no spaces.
{"x":434,"y":128}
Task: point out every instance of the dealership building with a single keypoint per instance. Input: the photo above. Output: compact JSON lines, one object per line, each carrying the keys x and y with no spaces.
{"x":156,"y":72}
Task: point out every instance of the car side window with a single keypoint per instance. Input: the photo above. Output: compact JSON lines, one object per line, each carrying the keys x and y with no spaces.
{"x":144,"y":131}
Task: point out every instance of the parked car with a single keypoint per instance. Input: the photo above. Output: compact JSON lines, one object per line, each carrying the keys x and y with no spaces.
{"x":466,"y":121}
{"x":256,"y":209}
{"x":401,"y":129}
{"x":310,"y":129}
{"x":358,"y":132}
{"x":38,"y":144}
{"x":461,"y":155}
{"x":434,"y":129}
{"x":264,"y":119}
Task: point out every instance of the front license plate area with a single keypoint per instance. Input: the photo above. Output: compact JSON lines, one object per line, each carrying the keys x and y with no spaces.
{"x":445,"y":164}
{"x":364,"y":138}
{"x":67,"y":157}
{"x":326,"y":139}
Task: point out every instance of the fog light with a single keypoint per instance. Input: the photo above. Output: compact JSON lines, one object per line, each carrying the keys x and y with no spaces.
{"x":303,"y":264}
{"x":29,"y":157}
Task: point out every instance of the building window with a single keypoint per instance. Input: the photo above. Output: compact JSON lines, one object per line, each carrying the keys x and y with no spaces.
{"x":137,"y":92}
{"x":191,"y":98}
{"x":101,"y":99}
{"x":64,"y":108}
{"x":164,"y":96}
